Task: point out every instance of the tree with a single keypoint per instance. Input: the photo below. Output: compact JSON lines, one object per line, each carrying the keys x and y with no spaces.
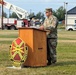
{"x":60,"y":13}
{"x":54,"y":13}
{"x":13,"y":15}
{"x":40,"y":15}
{"x":31,"y":15}
{"x":5,"y":14}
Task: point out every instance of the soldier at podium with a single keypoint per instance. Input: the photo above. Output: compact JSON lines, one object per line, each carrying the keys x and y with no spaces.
{"x":50,"y":25}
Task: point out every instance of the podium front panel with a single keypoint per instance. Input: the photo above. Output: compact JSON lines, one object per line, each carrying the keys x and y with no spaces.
{"x":36,"y":41}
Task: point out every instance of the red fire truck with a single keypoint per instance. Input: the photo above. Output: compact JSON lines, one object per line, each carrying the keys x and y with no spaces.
{"x":13,"y":23}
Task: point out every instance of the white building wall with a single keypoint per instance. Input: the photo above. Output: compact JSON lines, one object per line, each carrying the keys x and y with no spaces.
{"x":71,"y":19}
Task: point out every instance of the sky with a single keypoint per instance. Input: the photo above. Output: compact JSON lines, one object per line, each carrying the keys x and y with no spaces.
{"x":40,"y":5}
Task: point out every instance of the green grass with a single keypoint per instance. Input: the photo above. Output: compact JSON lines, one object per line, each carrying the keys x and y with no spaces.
{"x":8,"y":36}
{"x":66,"y":56}
{"x":61,"y":26}
{"x":5,"y":42}
{"x":69,"y":38}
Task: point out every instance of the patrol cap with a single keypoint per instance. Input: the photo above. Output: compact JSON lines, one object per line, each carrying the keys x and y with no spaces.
{"x":48,"y":10}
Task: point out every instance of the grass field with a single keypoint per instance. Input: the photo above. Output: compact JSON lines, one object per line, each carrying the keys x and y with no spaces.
{"x":66,"y":56}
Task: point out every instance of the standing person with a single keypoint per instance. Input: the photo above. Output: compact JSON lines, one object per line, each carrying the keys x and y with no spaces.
{"x":32,"y":21}
{"x":50,"y":25}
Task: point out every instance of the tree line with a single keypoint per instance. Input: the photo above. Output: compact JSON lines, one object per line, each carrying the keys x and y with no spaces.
{"x":59,"y":13}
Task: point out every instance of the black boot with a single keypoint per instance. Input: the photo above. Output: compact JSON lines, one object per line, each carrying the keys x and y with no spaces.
{"x":53,"y":62}
{"x":49,"y":62}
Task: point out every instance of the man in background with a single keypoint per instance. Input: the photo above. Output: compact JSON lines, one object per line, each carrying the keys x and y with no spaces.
{"x":50,"y":25}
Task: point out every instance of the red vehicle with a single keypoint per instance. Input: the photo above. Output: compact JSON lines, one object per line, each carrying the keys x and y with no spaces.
{"x":13,"y":23}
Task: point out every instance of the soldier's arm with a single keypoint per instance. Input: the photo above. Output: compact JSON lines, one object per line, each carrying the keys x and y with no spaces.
{"x":45,"y":24}
{"x":53,"y":25}
{"x":43,"y":27}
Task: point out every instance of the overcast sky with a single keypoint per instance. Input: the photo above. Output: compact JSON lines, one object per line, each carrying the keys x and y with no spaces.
{"x":40,"y":5}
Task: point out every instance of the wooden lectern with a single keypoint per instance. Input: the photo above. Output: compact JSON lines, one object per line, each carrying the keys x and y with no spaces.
{"x":35,"y":39}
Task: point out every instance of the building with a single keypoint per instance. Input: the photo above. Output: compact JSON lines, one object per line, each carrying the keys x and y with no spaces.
{"x":71,"y":17}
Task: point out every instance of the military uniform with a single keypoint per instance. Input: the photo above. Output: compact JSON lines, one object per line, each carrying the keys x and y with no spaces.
{"x":50,"y":24}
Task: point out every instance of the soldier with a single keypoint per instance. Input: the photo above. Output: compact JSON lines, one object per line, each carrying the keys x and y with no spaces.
{"x":50,"y":25}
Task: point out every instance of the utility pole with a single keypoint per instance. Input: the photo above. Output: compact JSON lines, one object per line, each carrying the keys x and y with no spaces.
{"x":65,"y":7}
{"x":0,"y":11}
{"x":2,"y":15}
{"x":30,"y":11}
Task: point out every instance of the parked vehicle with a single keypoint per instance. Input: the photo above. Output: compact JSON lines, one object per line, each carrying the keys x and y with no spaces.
{"x":13,"y":23}
{"x":71,"y":28}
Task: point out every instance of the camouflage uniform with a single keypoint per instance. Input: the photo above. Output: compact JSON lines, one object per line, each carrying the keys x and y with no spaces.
{"x":50,"y":24}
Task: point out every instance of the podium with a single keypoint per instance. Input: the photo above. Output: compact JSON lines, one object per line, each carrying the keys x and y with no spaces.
{"x":35,"y":39}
